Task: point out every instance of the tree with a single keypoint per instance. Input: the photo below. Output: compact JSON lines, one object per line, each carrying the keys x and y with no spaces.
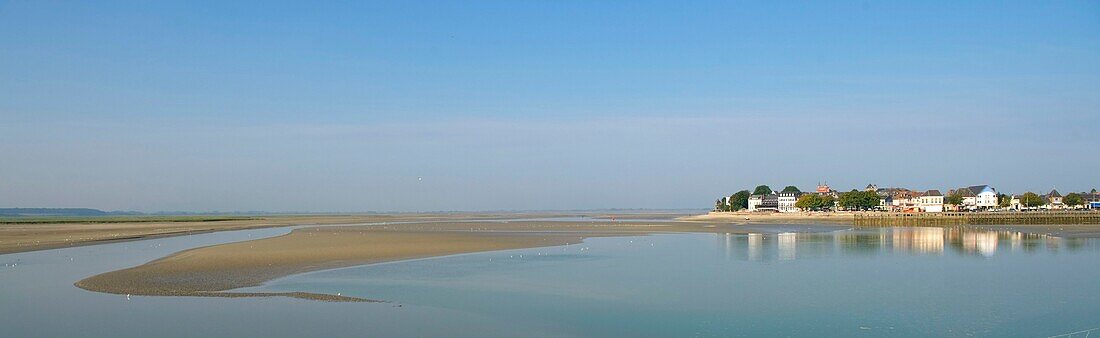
{"x":791,"y":188}
{"x":859,"y":200}
{"x":719,"y":205}
{"x":1004,"y":201}
{"x":762,"y":190}
{"x":1031,"y":200}
{"x":954,"y":199}
{"x":806,"y":202}
{"x":814,"y":202}
{"x":740,"y":200}
{"x":1073,"y":199}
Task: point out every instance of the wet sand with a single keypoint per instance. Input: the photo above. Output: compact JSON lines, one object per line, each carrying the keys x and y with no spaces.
{"x":21,"y":237}
{"x":211,"y":271}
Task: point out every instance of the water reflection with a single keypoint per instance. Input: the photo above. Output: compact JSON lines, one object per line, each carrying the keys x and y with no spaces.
{"x":917,"y":241}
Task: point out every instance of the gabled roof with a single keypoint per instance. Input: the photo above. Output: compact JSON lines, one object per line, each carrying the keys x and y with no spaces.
{"x":933,"y":192}
{"x":977,"y":189}
{"x":965,"y":192}
{"x":1054,"y":193}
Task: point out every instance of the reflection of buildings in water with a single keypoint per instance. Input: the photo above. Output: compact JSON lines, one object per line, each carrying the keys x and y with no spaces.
{"x":918,"y":240}
{"x":859,"y":242}
{"x":921,"y":240}
{"x":986,"y":242}
{"x":981,"y":242}
{"x":726,"y":241}
{"x":1053,"y":244}
{"x":788,"y":243}
{"x":756,"y":246}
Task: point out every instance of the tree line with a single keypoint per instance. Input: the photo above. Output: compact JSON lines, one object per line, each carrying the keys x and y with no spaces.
{"x":740,"y":200}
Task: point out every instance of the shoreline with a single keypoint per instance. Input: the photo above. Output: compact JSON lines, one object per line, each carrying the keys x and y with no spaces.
{"x":18,"y":237}
{"x":214,"y":271}
{"x":219,"y":269}
{"x":744,"y":218}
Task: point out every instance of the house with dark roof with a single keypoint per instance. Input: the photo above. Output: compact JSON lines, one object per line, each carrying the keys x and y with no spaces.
{"x":977,"y":197}
{"x":1053,"y":200}
{"x":769,"y":202}
{"x":1092,"y":199}
{"x":931,"y":201}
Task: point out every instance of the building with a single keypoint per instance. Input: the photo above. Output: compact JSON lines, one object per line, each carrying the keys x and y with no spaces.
{"x":1053,"y":200}
{"x":785,"y":201}
{"x":754,"y":202}
{"x":905,"y":200}
{"x":931,"y":201}
{"x":769,"y":202}
{"x":977,"y":197}
{"x":1092,"y":199}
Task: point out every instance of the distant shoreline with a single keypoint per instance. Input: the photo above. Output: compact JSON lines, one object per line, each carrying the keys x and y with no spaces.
{"x":738,"y":217}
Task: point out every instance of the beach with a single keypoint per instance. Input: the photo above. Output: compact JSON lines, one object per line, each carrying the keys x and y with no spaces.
{"x":210,"y":271}
{"x":20,"y":235}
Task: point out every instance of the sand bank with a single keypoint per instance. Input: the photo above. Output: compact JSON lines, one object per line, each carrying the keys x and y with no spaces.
{"x":211,"y":271}
{"x":19,"y":236}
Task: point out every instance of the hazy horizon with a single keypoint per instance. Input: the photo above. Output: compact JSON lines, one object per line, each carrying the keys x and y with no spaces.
{"x":502,"y":105}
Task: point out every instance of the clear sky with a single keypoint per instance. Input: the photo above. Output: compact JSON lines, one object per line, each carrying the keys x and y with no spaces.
{"x":498,"y":105}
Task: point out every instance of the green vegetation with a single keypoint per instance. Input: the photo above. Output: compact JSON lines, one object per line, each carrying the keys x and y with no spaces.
{"x":953,"y":199}
{"x":814,"y":202}
{"x":735,"y":202}
{"x":859,"y":200}
{"x":762,"y":190}
{"x":740,"y":200}
{"x":1004,"y":201}
{"x":791,"y":188}
{"x":1073,"y":199}
{"x":117,"y":219}
{"x":1031,"y":200}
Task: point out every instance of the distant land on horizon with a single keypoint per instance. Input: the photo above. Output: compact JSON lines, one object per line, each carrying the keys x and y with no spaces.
{"x":45,"y":212}
{"x":61,"y":212}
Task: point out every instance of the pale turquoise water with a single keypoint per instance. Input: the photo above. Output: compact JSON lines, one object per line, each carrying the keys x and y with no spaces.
{"x":888,"y":282}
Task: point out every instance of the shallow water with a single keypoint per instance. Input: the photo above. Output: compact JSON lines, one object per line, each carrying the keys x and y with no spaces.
{"x":881,"y":282}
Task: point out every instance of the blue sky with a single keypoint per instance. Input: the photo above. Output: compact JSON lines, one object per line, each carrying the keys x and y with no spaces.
{"x":500,"y":105}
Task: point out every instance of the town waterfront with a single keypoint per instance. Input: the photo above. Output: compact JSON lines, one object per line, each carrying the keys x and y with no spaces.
{"x":776,"y":281}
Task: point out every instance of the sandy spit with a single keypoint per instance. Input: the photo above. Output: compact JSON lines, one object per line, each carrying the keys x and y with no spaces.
{"x":30,"y":237}
{"x":214,"y":270}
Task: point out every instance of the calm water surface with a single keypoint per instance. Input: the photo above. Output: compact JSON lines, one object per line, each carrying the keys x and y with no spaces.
{"x":880,"y":282}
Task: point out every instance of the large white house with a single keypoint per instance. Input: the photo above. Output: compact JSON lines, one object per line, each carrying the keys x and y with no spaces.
{"x":978,"y":197}
{"x":754,"y":202}
{"x":931,"y":201}
{"x":786,"y":201}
